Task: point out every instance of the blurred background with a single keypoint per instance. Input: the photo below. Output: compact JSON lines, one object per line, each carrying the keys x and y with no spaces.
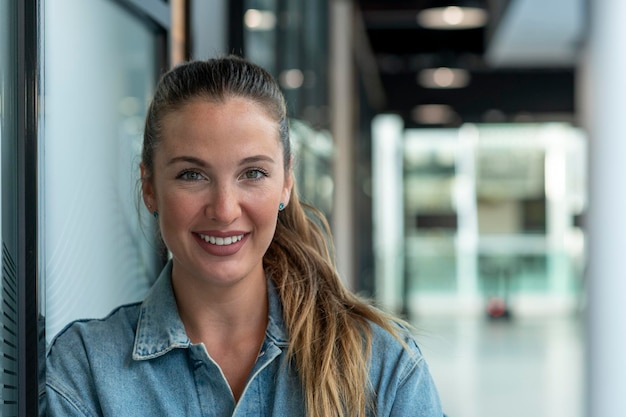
{"x":467,"y":154}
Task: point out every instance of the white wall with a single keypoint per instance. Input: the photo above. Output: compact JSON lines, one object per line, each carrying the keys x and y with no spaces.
{"x":604,"y":106}
{"x":98,"y":74}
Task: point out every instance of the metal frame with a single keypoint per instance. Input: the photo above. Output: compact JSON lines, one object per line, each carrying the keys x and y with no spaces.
{"x":27,"y":257}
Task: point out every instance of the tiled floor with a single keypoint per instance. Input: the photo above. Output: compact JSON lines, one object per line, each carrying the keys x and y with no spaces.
{"x":517,"y":368}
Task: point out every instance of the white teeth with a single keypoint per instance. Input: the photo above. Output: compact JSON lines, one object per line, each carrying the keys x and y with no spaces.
{"x":221,"y":241}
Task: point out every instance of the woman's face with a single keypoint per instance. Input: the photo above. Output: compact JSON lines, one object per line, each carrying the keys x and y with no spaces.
{"x":217,"y":183}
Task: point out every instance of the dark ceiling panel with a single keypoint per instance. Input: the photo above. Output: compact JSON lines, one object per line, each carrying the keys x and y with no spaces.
{"x":509,"y":91}
{"x":404,"y":41}
{"x":402,"y":48}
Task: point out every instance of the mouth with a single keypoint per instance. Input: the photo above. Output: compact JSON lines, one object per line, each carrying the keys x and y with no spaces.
{"x":221,"y":241}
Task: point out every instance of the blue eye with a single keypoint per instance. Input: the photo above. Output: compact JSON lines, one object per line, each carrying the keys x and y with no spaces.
{"x":190,"y":176}
{"x":254,"y":174}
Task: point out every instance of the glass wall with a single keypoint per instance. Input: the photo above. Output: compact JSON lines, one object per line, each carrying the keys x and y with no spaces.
{"x":289,"y":39}
{"x":492,"y":216}
{"x":99,"y":73}
{"x":487,"y":216}
{"x":313,"y":165}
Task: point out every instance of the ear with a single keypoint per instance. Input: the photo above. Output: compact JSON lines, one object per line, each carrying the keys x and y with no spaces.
{"x":287,"y":187}
{"x":147,"y":190}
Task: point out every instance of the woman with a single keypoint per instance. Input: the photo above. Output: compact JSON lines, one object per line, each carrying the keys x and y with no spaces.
{"x":249,"y":317}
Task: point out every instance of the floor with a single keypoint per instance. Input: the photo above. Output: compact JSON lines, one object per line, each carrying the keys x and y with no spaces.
{"x":515,"y":368}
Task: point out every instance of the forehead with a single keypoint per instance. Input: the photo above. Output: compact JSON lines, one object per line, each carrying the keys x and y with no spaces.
{"x":235,"y":122}
{"x":229,"y":107}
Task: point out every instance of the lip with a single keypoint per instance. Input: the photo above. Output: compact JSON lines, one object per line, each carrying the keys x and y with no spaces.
{"x":221,"y":249}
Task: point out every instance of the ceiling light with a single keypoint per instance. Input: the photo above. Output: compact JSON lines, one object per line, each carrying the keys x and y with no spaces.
{"x":443,"y":77}
{"x":259,"y":19}
{"x":433,"y":114}
{"x":453,"y":17}
{"x":290,"y":79}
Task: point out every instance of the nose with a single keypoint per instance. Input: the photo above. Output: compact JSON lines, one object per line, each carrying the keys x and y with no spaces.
{"x":223,"y":204}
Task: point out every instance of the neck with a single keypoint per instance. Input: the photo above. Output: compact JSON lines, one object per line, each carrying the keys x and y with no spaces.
{"x":238,"y":310}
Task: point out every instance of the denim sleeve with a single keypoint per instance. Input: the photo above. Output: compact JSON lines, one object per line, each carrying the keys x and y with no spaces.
{"x":58,"y":404}
{"x":416,"y":394}
{"x":68,"y":380}
{"x":401,"y":378}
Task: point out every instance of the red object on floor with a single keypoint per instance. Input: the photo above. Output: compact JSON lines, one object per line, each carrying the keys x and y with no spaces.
{"x":497,"y":308}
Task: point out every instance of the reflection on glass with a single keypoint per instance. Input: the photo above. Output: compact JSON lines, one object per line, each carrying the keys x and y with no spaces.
{"x":99,"y":73}
{"x":313,"y":165}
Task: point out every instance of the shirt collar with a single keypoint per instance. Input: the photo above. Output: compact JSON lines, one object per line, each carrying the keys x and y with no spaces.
{"x":160,"y":329}
{"x":276,"y":325}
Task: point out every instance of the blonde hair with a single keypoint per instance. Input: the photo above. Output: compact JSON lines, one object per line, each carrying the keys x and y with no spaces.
{"x":329,"y":327}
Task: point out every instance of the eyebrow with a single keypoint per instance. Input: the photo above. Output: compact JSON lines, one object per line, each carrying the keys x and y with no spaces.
{"x":202,"y":163}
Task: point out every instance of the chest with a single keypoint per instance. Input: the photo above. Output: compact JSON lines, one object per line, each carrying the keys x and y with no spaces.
{"x":190,"y":383}
{"x":236,"y":360}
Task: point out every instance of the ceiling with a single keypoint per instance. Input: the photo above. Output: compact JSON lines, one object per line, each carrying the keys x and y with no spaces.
{"x":521,"y":64}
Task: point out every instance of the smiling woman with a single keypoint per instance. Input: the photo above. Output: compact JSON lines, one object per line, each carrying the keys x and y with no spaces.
{"x":217,"y":175}
{"x":249,"y":317}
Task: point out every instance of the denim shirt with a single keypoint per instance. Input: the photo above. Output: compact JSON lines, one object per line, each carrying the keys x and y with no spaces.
{"x":138,"y":361}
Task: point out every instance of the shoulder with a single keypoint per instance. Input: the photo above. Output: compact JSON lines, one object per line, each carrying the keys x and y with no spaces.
{"x":85,"y":351}
{"x":121,"y":319}
{"x":399,"y":374}
{"x":396,"y":356}
{"x":400,"y":344}
{"x":121,"y":322}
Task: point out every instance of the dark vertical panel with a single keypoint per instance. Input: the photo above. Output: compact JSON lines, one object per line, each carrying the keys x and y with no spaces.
{"x":235,"y":27}
{"x":8,"y":209}
{"x":27,"y":291}
{"x":364,"y":246}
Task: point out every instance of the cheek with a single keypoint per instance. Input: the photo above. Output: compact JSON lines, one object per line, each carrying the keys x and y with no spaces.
{"x":177,"y":209}
{"x":263,"y":207}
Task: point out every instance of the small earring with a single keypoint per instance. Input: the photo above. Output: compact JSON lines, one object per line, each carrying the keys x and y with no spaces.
{"x":281,"y":206}
{"x":155,"y":214}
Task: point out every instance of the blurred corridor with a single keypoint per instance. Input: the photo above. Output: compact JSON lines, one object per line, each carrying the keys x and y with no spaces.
{"x":482,"y":249}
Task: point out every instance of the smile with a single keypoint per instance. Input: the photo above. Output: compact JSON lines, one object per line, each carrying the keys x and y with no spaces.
{"x":221,"y":241}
